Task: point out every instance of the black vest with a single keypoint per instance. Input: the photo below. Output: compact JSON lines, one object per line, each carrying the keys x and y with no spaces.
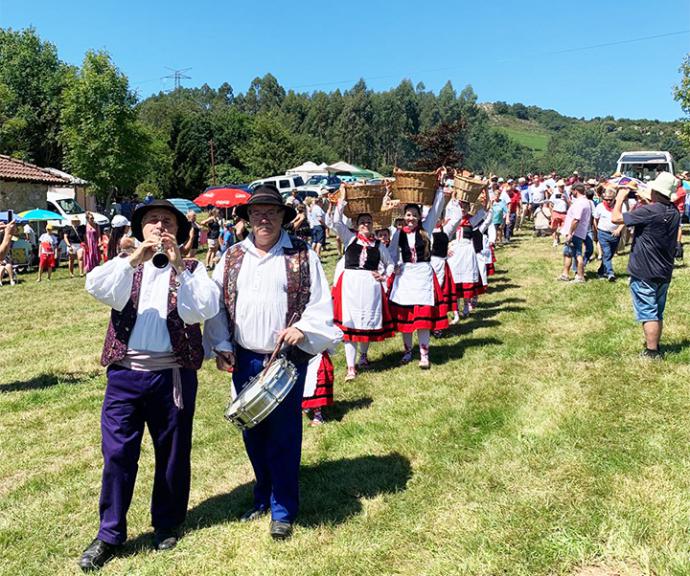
{"x":477,"y":241}
{"x":419,"y":244}
{"x":440,"y":246}
{"x":353,"y":252}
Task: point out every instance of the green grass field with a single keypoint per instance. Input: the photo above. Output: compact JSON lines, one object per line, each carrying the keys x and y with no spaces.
{"x":533,"y":140}
{"x":529,"y":134}
{"x":538,"y":444}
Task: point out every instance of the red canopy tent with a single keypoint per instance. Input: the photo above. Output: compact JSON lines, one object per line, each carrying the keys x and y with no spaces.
{"x":222,"y":197}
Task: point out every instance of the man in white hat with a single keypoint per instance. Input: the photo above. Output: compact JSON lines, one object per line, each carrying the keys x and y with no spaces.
{"x":651,"y":259}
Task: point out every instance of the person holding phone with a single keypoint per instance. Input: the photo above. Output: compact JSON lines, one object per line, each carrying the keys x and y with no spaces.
{"x":9,"y":229}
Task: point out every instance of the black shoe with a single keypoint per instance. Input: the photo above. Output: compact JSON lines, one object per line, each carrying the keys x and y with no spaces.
{"x":652,"y":354}
{"x":611,"y":278}
{"x":280,"y":530}
{"x":165,"y":539}
{"x":253,"y":514}
{"x":97,"y":554}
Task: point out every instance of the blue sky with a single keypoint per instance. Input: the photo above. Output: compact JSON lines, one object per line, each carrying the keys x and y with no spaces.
{"x":581,"y":58}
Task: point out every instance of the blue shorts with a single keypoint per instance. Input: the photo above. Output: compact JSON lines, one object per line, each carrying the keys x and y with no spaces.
{"x":318,"y":235}
{"x":649,"y":299}
{"x":574,"y":248}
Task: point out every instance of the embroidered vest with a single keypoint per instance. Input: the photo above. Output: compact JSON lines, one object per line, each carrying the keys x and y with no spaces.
{"x":420,"y":247}
{"x":354,"y":251}
{"x":440,"y":246}
{"x":298,"y":280}
{"x":185,"y":338}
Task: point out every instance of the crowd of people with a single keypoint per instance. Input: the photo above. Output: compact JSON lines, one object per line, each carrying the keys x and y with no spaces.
{"x":419,"y":273}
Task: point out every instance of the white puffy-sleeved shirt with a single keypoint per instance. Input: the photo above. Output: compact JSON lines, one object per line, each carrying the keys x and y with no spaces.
{"x":197,"y":299}
{"x":261,"y":306}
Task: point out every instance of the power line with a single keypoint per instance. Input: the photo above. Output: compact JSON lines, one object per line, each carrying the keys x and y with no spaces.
{"x":177,"y":76}
{"x":547,"y":53}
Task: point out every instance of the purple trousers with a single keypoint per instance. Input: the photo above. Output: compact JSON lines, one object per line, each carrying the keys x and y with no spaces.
{"x":134,"y":399}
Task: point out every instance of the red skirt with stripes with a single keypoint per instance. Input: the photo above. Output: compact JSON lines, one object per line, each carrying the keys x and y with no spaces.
{"x":450,"y":295}
{"x":420,"y":317}
{"x":467,"y":290}
{"x":323,"y":394}
{"x":387,"y":329}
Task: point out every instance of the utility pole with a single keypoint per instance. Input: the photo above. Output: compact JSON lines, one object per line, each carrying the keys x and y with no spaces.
{"x":213,"y":162}
{"x":177,"y":76}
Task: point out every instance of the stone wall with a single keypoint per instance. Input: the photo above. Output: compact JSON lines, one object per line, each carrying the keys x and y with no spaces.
{"x":20,"y":196}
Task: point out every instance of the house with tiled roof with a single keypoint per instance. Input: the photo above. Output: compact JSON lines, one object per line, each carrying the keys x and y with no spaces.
{"x":24,"y":186}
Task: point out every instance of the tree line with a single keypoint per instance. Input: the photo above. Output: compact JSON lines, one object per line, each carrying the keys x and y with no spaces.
{"x":88,"y":121}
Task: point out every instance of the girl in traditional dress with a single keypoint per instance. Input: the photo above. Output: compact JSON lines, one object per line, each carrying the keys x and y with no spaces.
{"x":416,"y":297}
{"x":440,"y":240}
{"x":318,"y":387}
{"x":462,"y":260}
{"x":360,"y":307}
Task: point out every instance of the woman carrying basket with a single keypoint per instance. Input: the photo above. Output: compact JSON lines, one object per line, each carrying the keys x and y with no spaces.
{"x":416,"y":297}
{"x":440,"y":240}
{"x":360,"y":307}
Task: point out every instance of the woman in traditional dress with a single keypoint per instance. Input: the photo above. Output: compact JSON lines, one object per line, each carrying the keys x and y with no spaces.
{"x":440,"y":240}
{"x":462,"y":260}
{"x":318,"y":387}
{"x":360,"y":307}
{"x":416,"y":297}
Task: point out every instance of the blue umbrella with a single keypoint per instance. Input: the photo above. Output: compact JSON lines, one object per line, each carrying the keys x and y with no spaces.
{"x":39,"y":215}
{"x":184,"y":205}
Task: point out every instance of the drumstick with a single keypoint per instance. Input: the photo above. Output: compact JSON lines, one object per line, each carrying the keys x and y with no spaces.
{"x":276,"y":350}
{"x":279,"y":344}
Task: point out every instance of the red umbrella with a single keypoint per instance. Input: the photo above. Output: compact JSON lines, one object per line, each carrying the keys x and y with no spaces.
{"x":222,"y":197}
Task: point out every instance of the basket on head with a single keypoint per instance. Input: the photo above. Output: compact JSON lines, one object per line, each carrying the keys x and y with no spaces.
{"x":467,"y":189}
{"x":388,"y":214}
{"x":414,"y":187}
{"x":363,"y":198}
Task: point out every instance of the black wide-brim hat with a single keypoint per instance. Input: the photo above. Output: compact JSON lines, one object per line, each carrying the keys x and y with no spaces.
{"x":183,"y":224}
{"x":270,"y":196}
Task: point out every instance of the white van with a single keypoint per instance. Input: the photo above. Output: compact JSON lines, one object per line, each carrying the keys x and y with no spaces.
{"x":285,"y":184}
{"x":644,"y":163}
{"x":65,"y":204}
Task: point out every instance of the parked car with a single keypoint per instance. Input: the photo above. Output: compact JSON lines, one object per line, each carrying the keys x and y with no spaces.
{"x":285,"y":184}
{"x":318,"y":182}
{"x":641,"y":163}
{"x":65,"y":204}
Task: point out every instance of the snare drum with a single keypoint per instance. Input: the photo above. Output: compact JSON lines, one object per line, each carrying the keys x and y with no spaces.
{"x":262,"y":394}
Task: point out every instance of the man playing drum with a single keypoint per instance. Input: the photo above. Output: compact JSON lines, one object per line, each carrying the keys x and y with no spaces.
{"x":153,"y":349}
{"x":267,"y":280}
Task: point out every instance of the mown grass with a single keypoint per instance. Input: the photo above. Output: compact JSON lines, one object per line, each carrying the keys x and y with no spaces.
{"x":539,"y":443}
{"x":524,"y":132}
{"x":533,"y":140}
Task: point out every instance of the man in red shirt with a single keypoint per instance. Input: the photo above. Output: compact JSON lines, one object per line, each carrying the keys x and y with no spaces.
{"x":514,"y":207}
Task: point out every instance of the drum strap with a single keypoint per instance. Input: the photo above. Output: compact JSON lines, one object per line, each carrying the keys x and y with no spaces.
{"x":298,"y":280}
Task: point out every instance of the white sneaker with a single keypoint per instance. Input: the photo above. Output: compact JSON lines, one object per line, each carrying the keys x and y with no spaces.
{"x":424,"y":363}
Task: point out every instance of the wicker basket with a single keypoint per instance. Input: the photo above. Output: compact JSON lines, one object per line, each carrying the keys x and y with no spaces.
{"x":414,"y":187}
{"x":467,"y":189}
{"x":388,"y":214}
{"x":363,"y":198}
